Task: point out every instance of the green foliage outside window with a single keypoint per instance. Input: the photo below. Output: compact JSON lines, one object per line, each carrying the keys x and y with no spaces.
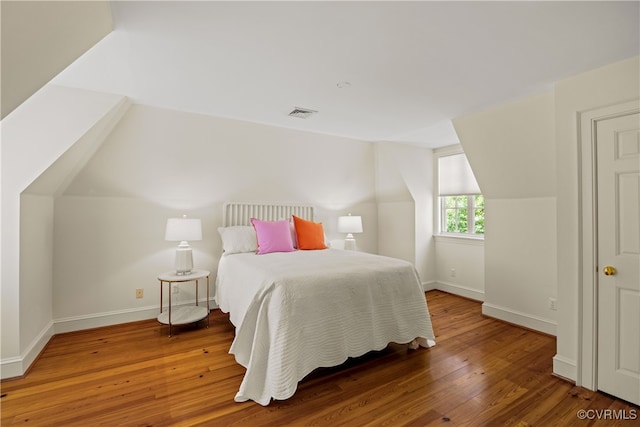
{"x":456,"y":214}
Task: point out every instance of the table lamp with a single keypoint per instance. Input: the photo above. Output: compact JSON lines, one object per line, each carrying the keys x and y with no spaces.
{"x":182,"y":230}
{"x":350,"y":224}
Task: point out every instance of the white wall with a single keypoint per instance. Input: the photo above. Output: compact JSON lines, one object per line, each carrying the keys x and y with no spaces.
{"x":41,"y":38}
{"x":605,"y":86}
{"x":36,"y":272}
{"x":158,"y":163}
{"x":525,"y":158}
{"x":404,"y":189}
{"x":34,"y":135}
{"x":520,"y":261}
{"x":466,"y":258}
{"x":463,"y":255}
{"x":511,"y":150}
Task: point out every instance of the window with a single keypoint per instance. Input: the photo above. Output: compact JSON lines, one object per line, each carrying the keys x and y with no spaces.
{"x":462,"y":214}
{"x":461,"y":203}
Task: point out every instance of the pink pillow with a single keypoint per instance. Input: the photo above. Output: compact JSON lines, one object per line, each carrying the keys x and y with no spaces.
{"x":273,"y":236}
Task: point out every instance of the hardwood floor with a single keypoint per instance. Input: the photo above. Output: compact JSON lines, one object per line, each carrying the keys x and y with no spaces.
{"x":482,"y":372}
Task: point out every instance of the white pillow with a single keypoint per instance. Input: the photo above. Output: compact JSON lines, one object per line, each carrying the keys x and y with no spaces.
{"x":238,"y":238}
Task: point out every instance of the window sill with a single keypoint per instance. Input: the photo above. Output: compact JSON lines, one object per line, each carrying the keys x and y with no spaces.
{"x":460,"y":238}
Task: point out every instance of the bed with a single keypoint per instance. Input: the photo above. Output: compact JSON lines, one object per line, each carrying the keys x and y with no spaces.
{"x":298,"y":310}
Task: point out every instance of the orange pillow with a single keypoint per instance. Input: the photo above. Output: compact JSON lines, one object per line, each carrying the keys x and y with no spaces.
{"x":310,"y":234}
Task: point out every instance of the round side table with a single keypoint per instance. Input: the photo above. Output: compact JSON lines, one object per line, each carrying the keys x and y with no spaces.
{"x":183,"y":315}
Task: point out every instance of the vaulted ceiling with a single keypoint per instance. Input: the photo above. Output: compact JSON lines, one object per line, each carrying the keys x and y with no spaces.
{"x":394,"y":71}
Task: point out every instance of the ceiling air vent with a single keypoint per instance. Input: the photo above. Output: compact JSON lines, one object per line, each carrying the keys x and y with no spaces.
{"x":301,"y":113}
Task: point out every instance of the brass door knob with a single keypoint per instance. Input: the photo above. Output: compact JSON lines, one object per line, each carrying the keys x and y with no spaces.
{"x":609,"y":270}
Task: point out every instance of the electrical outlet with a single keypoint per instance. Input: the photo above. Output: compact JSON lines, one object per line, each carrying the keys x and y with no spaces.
{"x":175,"y":289}
{"x":139,"y":293}
{"x":553,"y":304}
{"x":453,"y":272}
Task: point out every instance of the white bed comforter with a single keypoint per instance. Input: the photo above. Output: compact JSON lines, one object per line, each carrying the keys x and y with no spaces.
{"x":298,"y":311}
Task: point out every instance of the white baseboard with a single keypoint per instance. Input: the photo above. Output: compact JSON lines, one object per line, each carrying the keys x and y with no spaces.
{"x":11,"y":368}
{"x":429,"y":286}
{"x":565,"y":368}
{"x":519,"y":318}
{"x":462,"y":291}
{"x":16,"y":366}
{"x":97,"y":320}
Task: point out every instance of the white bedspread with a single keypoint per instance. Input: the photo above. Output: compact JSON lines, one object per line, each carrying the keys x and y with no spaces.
{"x":298,"y":311}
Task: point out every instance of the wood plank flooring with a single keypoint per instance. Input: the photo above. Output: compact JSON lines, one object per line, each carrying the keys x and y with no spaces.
{"x":482,"y":372}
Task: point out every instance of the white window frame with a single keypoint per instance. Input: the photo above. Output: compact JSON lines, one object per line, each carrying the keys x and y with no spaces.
{"x":439,"y":206}
{"x":471,"y":216}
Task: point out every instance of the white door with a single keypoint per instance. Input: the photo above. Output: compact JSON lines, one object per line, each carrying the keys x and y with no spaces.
{"x":618,"y":258}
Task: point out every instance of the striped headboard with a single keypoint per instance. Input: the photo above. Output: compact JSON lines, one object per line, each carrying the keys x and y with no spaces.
{"x":240,"y":213}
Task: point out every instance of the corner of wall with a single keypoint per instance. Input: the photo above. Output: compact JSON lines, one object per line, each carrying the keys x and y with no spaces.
{"x":565,"y":368}
{"x":35,"y":136}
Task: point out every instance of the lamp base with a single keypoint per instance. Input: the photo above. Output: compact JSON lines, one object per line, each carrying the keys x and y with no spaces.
{"x":350,"y":243}
{"x":184,"y":259}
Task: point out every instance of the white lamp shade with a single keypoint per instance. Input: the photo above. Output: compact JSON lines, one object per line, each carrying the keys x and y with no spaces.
{"x":350,"y":224}
{"x":183,"y":229}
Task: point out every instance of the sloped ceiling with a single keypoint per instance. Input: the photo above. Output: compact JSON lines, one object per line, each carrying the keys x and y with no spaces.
{"x":411,"y":67}
{"x":41,"y":38}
